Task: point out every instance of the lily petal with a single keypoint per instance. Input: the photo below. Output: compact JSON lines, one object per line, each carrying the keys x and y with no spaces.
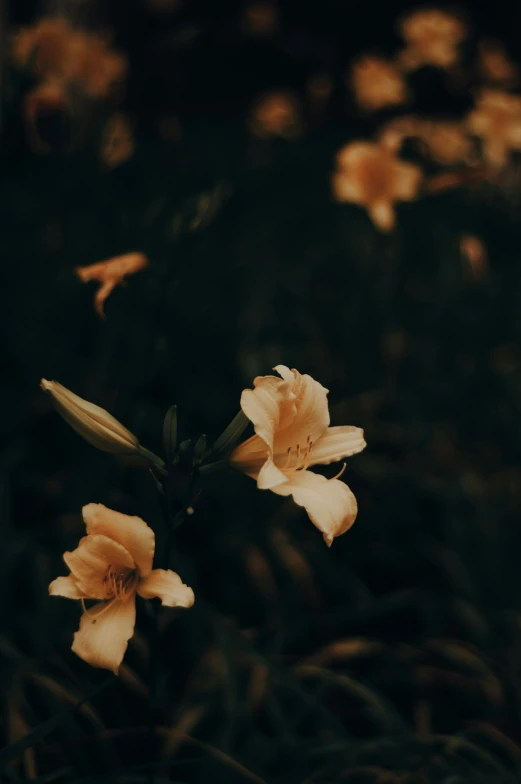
{"x":89,"y":563}
{"x":346,"y":188}
{"x":337,"y":443}
{"x":330,"y":504}
{"x":270,"y":476}
{"x":495,"y":152}
{"x":104,"y":632}
{"x":168,"y":587}
{"x":269,"y":406}
{"x":66,"y":586}
{"x":250,"y":456}
{"x":382,"y":214}
{"x":312,"y":413}
{"x":408,"y":178}
{"x":131,"y":532}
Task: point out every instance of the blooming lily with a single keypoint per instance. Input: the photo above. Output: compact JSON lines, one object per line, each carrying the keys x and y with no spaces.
{"x":112,"y":564}
{"x":290,"y":416}
{"x":373,"y":176}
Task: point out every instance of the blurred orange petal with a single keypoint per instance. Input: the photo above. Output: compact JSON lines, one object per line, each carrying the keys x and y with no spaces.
{"x":111,"y":273}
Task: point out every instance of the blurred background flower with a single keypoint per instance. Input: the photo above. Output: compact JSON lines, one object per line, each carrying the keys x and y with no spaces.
{"x":205,"y":136}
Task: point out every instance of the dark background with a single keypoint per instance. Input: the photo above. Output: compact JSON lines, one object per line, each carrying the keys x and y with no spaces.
{"x":395,"y":655}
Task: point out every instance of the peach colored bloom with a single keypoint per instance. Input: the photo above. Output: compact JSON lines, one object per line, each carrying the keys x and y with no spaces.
{"x":118,"y":143}
{"x":432,"y":37}
{"x":57,"y":52}
{"x":111,"y":273}
{"x":276,"y":114}
{"x":448,"y":142}
{"x":495,"y":66}
{"x":377,"y":83}
{"x":290,"y":416}
{"x":111,"y":565}
{"x":371,"y":175}
{"x":496,"y":120}
{"x":45,"y":47}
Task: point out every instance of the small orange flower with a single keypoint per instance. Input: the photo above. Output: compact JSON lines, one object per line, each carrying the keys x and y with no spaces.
{"x":371,"y":175}
{"x":45,"y":47}
{"x":57,"y":52}
{"x":495,"y":66}
{"x":377,"y":83}
{"x":111,"y":565}
{"x":496,"y":120}
{"x":111,"y":273}
{"x":276,"y":114}
{"x":432,"y":38}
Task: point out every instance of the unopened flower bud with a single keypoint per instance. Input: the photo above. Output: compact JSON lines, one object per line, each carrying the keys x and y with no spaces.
{"x":93,"y":423}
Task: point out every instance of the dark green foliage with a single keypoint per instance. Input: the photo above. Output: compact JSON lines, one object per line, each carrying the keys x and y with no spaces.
{"x":393,"y":657}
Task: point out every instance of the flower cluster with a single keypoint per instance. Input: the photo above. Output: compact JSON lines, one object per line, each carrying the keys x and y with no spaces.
{"x":373,"y":176}
{"x":483,"y":137}
{"x":113,"y":562}
{"x":65,"y":62}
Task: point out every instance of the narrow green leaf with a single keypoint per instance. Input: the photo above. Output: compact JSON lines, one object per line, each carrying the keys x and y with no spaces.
{"x":230,"y":436}
{"x":170,"y":433}
{"x":15,"y":750}
{"x":200,"y":446}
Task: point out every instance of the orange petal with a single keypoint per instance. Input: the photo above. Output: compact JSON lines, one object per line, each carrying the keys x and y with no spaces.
{"x":337,"y":443}
{"x":90,"y":561}
{"x":65,"y":586}
{"x":345,"y":188}
{"x":250,"y":456}
{"x":167,"y":586}
{"x":104,"y":632}
{"x":330,"y":504}
{"x":407,"y":182}
{"x":382,"y":215}
{"x":132,"y":532}
{"x":103,"y":293}
{"x":312,"y":413}
{"x":270,"y":404}
{"x":110,"y":273}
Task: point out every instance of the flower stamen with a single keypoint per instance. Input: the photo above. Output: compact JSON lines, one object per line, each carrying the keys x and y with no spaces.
{"x":340,"y":472}
{"x":93,"y":612}
{"x":119,"y":585}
